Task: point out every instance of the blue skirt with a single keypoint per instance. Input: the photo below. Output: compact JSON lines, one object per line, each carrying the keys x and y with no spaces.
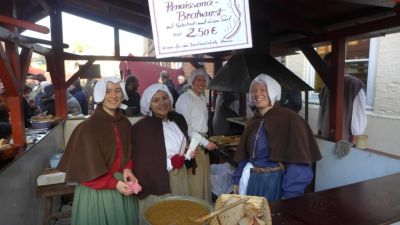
{"x":268,"y":185}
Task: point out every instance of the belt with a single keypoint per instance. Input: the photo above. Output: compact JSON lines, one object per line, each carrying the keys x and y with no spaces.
{"x":265,"y":170}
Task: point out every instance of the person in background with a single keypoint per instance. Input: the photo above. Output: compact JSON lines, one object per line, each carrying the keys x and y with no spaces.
{"x":74,"y":107}
{"x":131,"y":87}
{"x":5,"y":127}
{"x":28,"y":110}
{"x":354,"y":116}
{"x":164,"y":79}
{"x":181,"y":83}
{"x":76,"y":90}
{"x":98,"y":158}
{"x":37,"y":92}
{"x":192,"y":105}
{"x":291,"y":99}
{"x":276,"y":149}
{"x":47,"y":100}
{"x":158,"y":163}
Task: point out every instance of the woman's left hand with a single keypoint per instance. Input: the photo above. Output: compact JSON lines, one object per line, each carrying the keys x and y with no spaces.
{"x":128,"y":176}
{"x":211,"y":146}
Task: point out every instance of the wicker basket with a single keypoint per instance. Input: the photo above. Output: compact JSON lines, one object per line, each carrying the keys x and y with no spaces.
{"x":261,"y":203}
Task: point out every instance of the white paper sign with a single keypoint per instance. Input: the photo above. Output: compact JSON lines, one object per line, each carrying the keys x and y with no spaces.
{"x":183,"y":27}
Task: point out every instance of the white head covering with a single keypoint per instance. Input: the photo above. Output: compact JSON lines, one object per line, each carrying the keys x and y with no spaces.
{"x":197,"y":72}
{"x":273,"y":87}
{"x":145,"y":100}
{"x":99,"y":91}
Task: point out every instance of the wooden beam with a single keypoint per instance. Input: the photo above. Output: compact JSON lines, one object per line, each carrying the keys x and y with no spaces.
{"x":271,"y":14}
{"x":81,"y":71}
{"x":25,"y":59}
{"x":117,"y":51}
{"x":336,"y":93}
{"x":69,"y":56}
{"x":44,"y":5}
{"x":7,"y":36}
{"x":17,"y":119}
{"x":319,"y":64}
{"x":40,"y":41}
{"x":137,"y":25}
{"x":132,"y":7}
{"x":368,"y":27}
{"x":381,"y":3}
{"x":7,"y":75}
{"x":58,"y":60}
{"x":24,"y":24}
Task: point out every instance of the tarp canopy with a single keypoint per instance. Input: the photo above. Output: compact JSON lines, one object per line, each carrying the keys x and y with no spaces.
{"x":236,"y":75}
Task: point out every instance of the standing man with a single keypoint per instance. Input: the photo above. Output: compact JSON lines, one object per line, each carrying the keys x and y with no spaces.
{"x":164,"y":79}
{"x":181,"y":83}
{"x":354,"y":117}
{"x":192,"y":105}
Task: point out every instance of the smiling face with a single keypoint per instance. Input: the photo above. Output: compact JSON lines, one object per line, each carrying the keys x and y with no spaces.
{"x":259,"y":95}
{"x":113,"y":98}
{"x":199,"y":84}
{"x":160,"y":104}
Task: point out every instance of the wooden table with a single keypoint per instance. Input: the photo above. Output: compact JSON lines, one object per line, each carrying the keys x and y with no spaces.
{"x":370,"y":202}
{"x":50,"y":191}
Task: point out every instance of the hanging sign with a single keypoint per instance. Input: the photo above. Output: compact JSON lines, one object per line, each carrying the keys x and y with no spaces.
{"x":184,"y":27}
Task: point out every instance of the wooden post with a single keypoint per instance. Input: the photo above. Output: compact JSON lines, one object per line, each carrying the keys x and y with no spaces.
{"x":336,"y":96}
{"x":58,"y":70}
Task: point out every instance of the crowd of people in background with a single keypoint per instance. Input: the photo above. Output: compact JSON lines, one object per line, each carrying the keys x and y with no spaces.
{"x":38,"y":99}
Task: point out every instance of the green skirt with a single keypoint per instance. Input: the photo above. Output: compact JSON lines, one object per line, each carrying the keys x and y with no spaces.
{"x":103,"y":207}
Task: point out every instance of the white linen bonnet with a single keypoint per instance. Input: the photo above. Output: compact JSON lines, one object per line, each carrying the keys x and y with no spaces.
{"x":273,"y":87}
{"x":198,"y":72}
{"x":100,"y":88}
{"x":145,"y":101}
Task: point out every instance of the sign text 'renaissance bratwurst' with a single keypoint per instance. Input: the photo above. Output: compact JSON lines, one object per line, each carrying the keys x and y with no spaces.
{"x":193,"y":27}
{"x":183,"y":15}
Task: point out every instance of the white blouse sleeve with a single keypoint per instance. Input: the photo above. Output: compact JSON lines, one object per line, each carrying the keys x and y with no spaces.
{"x":184,"y":106}
{"x":359,"y":116}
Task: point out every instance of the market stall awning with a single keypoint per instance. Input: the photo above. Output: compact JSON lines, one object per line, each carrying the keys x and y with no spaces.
{"x":237,"y":73}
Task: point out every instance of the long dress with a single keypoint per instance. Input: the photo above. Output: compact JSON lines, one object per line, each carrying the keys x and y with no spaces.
{"x":194,"y":109}
{"x":168,"y":139}
{"x":95,"y":204}
{"x":94,"y":158}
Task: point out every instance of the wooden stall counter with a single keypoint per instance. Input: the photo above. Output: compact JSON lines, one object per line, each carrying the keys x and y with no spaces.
{"x":371,"y":202}
{"x":50,"y":191}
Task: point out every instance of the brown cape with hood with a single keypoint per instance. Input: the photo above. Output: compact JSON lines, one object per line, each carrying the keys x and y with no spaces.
{"x":91,"y":149}
{"x":290,"y":138}
{"x":149,"y":153}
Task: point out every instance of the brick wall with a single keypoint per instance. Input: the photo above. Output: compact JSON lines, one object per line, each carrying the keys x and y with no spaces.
{"x":387,"y":83}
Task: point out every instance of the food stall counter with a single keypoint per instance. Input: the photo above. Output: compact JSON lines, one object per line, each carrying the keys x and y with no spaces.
{"x":375,"y":201}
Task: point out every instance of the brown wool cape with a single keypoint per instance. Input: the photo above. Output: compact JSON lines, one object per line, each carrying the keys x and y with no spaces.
{"x":91,"y":149}
{"x":149,"y":153}
{"x":290,"y":138}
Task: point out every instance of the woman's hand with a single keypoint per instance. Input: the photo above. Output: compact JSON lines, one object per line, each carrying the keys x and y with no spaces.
{"x":123,"y":188}
{"x":128,"y":176}
{"x":211,"y":146}
{"x":193,"y":154}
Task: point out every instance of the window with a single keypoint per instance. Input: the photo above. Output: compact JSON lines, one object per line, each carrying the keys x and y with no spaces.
{"x":360,"y":62}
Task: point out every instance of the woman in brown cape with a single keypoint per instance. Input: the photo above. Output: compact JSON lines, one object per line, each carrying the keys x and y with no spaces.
{"x":97,"y":157}
{"x":159,"y":141}
{"x":276,"y":149}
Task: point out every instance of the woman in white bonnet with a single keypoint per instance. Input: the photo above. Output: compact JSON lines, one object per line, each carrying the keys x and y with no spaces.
{"x":98,"y":158}
{"x":276,"y":149}
{"x":192,"y":105}
{"x":159,"y":142}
